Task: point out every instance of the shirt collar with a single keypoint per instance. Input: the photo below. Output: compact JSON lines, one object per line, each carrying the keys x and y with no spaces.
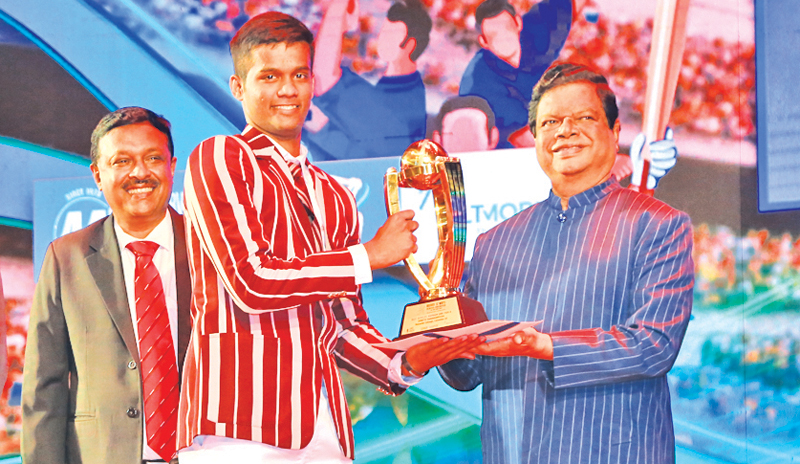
{"x":264,"y":145}
{"x":162,"y":234}
{"x":587,"y":197}
{"x":498,"y":65}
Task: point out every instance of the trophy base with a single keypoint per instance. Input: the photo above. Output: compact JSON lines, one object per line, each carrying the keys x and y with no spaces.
{"x":445,"y":313}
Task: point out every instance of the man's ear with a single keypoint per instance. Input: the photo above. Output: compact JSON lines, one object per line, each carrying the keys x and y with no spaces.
{"x":518,"y":21}
{"x":494,"y":138}
{"x":237,"y":87}
{"x":482,"y":41}
{"x":410,"y":45}
{"x":96,"y":176}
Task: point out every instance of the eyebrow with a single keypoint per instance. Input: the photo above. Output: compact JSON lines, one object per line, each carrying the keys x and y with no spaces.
{"x":277,"y":70}
{"x":148,"y":151}
{"x":580,"y":112}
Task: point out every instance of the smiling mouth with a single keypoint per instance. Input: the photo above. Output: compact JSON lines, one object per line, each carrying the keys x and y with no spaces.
{"x":286,"y":107}
{"x":567,"y":150}
{"x":140,"y":190}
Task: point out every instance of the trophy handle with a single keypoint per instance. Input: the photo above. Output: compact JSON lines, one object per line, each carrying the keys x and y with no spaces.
{"x":450,"y":205}
{"x":391,"y":190}
{"x":455,"y":182}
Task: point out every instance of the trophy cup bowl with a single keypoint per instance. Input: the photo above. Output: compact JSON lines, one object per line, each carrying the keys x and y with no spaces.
{"x":418,"y":163}
{"x":426,"y":166}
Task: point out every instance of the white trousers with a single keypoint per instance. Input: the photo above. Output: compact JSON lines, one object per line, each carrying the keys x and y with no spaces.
{"x":323,"y":449}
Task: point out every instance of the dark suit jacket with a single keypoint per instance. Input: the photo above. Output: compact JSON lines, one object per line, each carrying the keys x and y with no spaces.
{"x":82,"y":387}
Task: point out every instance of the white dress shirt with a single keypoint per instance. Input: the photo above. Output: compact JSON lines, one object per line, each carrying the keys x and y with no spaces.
{"x":164,"y":259}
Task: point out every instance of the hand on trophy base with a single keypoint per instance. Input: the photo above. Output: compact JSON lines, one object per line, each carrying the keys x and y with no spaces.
{"x":527,"y":342}
{"x":432,"y":353}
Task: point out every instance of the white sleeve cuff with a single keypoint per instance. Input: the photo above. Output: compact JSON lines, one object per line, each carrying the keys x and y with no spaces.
{"x":361,"y":266}
{"x":396,"y":375}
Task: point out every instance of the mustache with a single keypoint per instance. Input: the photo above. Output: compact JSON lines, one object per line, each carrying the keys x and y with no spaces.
{"x":139,"y":183}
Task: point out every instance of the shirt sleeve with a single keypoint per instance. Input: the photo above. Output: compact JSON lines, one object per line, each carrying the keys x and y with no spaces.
{"x":396,"y":373}
{"x":355,"y":347}
{"x":462,"y":374}
{"x":363,"y":269}
{"x":647,"y":344}
{"x":240,"y":216}
{"x":545,"y":28}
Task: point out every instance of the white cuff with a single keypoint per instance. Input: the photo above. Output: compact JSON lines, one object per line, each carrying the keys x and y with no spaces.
{"x":361,"y":266}
{"x":396,"y":375}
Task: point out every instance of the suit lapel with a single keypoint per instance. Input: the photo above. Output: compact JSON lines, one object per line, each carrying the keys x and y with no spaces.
{"x":184,"y":286}
{"x":105,"y":264}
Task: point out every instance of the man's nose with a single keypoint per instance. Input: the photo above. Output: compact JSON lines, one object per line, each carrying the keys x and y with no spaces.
{"x":567,"y":128}
{"x":139,"y":171}
{"x":288,"y":89}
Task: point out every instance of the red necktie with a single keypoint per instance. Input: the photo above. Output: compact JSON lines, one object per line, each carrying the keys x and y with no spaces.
{"x":300,"y":186}
{"x":303,"y":194}
{"x":156,"y":352}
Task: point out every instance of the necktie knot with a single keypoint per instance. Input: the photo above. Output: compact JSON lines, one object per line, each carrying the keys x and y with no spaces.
{"x":297,"y":172}
{"x":304,"y":186}
{"x":142,"y":248}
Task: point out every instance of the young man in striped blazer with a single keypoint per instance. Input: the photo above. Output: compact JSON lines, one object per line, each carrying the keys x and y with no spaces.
{"x":277,"y":265}
{"x":608,"y":272}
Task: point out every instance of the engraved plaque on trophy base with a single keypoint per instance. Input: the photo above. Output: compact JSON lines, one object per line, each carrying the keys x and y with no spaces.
{"x":450,"y":312}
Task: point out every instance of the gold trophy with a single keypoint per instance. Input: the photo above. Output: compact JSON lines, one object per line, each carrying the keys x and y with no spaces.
{"x":426,"y":166}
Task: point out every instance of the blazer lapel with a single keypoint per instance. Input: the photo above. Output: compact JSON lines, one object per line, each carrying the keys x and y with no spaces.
{"x":105,"y":264}
{"x":299,"y":209}
{"x":260,"y":146}
{"x":184,"y":285}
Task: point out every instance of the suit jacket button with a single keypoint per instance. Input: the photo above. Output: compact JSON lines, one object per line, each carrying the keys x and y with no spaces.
{"x":132,"y":412}
{"x":131,"y":364}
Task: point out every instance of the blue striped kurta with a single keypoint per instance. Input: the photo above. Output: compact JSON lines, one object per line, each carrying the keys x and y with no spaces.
{"x":612,"y":285}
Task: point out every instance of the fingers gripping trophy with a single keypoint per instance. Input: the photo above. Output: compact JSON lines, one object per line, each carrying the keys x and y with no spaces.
{"x":426,"y":166}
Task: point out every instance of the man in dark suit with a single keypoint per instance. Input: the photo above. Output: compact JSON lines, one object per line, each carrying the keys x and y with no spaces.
{"x":83,"y":398}
{"x":607,"y":271}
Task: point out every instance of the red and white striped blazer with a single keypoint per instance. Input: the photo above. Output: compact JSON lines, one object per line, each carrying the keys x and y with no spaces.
{"x":272,"y":313}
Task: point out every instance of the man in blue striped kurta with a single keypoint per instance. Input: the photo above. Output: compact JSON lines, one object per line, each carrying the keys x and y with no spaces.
{"x":609,"y":273}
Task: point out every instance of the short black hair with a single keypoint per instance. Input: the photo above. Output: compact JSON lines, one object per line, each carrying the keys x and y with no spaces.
{"x":562,"y":73}
{"x":465,"y":101}
{"x":272,"y":27}
{"x":418,"y":24}
{"x":490,"y":9}
{"x":125,"y":117}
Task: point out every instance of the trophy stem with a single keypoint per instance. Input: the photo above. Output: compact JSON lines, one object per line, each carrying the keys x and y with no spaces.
{"x":436,"y":293}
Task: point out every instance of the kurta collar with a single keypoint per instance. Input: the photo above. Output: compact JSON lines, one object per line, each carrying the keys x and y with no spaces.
{"x":587,"y":197}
